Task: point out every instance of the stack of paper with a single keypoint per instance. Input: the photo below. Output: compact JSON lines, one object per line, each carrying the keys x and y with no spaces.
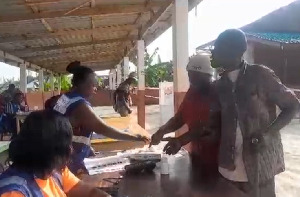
{"x":105,"y":164}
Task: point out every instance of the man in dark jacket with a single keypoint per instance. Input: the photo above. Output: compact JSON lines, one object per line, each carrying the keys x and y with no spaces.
{"x":251,"y":152}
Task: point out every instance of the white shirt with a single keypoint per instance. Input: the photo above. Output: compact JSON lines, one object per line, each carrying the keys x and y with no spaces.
{"x":239,"y":174}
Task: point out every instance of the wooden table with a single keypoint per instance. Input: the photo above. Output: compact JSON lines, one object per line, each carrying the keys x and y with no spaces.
{"x":121,"y":123}
{"x":20,"y":117}
{"x":181,"y":182}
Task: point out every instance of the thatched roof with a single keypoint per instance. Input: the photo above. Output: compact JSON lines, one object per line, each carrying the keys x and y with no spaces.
{"x":51,"y":33}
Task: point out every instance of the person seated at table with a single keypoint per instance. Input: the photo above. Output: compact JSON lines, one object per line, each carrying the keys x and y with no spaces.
{"x":122,"y":98}
{"x":38,"y":159}
{"x":11,"y":109}
{"x":200,"y":111}
{"x":75,"y":105}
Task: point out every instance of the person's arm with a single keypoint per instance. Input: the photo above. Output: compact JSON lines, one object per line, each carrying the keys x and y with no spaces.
{"x":172,"y":125}
{"x":282,"y":96}
{"x":74,"y":187}
{"x":85,"y":189}
{"x":84,"y":115}
{"x":192,"y":134}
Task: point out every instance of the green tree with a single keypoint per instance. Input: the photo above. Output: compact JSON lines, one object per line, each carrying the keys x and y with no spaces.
{"x":157,"y":72}
{"x":65,"y":83}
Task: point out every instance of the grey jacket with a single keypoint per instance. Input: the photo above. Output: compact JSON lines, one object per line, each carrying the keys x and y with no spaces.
{"x":252,"y":101}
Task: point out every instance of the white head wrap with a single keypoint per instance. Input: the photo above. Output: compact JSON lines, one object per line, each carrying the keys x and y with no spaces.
{"x":200,"y":63}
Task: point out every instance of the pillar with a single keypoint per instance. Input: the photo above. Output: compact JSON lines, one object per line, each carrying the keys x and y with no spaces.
{"x":110,"y":79}
{"x":41,"y":80}
{"x":52,"y":82}
{"x":114,"y":79}
{"x":59,"y":84}
{"x":119,"y":74}
{"x":126,"y":67}
{"x":23,"y":78}
{"x":141,"y":111}
{"x":180,"y":52}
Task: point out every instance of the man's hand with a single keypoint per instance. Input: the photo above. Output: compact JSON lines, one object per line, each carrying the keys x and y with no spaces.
{"x":173,"y":146}
{"x":156,"y":138}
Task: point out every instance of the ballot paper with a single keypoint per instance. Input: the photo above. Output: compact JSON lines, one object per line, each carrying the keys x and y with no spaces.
{"x":105,"y":164}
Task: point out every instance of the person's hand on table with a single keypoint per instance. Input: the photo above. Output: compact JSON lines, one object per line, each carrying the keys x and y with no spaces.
{"x":143,"y":138}
{"x":173,"y":146}
{"x":156,"y":138}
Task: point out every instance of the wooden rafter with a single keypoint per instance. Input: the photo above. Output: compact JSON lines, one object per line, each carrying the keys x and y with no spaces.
{"x":93,"y":4}
{"x":136,"y":22}
{"x":40,"y":2}
{"x":49,"y":28}
{"x":153,"y":20}
{"x":54,"y":34}
{"x":77,"y":7}
{"x":95,"y":58}
{"x":32,"y":7}
{"x":69,"y":55}
{"x":75,"y":51}
{"x":65,"y":46}
{"x":61,"y":68}
{"x":97,"y":11}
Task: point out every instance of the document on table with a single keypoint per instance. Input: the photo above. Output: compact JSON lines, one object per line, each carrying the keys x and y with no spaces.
{"x":105,"y":164}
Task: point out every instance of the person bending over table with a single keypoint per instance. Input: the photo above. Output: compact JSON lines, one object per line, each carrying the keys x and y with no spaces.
{"x":199,"y":110}
{"x":76,"y":106}
{"x":38,"y":159}
{"x":121,"y":96}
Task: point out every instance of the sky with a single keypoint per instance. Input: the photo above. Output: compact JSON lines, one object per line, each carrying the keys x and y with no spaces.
{"x":213,"y":17}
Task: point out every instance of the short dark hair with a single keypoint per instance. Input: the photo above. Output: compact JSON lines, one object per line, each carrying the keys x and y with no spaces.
{"x":11,"y":86}
{"x":80,"y":73}
{"x":43,"y":144}
{"x":234,"y":39}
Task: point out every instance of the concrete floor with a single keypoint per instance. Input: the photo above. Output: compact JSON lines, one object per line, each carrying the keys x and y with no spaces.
{"x":152,"y":115}
{"x":287,"y":183}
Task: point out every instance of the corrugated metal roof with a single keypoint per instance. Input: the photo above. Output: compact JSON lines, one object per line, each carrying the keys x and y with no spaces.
{"x":40,"y":31}
{"x":289,"y":38}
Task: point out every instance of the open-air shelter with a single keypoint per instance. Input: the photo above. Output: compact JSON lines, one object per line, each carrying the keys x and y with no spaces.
{"x":46,"y":35}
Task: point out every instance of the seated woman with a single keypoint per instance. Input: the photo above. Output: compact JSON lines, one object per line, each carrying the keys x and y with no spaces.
{"x":10,"y":109}
{"x":38,"y":157}
{"x":76,"y":106}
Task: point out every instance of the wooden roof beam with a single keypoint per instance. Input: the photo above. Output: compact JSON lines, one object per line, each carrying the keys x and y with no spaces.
{"x":71,"y":55}
{"x":153,"y":20}
{"x":92,"y":59}
{"x":74,"y":53}
{"x":54,"y":34}
{"x":40,"y":2}
{"x":100,"y":10}
{"x":11,"y":58}
{"x":61,"y":68}
{"x":41,"y":54}
{"x":66,"y":46}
